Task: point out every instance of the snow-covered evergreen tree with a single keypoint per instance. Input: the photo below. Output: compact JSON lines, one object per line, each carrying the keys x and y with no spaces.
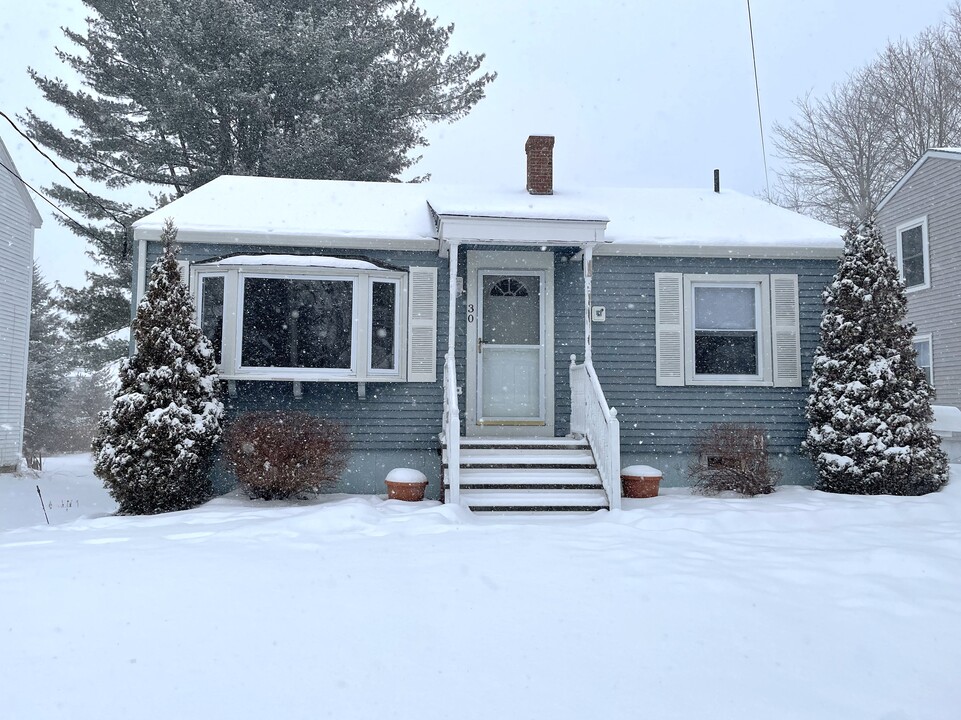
{"x":48,"y":369}
{"x":870,"y":405}
{"x":167,"y":95}
{"x":154,"y":444}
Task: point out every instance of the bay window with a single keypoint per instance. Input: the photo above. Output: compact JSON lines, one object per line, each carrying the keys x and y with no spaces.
{"x":305,"y":318}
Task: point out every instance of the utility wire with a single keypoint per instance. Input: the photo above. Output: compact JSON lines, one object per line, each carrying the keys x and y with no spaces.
{"x":47,"y":200}
{"x":757,"y":94}
{"x":64,"y":173}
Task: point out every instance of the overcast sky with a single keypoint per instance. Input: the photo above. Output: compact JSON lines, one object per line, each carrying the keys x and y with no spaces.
{"x":638,"y":93}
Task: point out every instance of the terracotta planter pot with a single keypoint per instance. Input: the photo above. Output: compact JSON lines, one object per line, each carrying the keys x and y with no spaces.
{"x":406,"y":484}
{"x":640,"y":481}
{"x":409,"y":491}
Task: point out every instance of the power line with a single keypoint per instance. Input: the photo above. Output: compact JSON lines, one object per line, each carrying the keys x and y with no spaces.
{"x":757,"y":94}
{"x":47,"y":200}
{"x":64,"y":173}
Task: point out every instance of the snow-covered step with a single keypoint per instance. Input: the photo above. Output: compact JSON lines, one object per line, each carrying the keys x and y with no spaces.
{"x":534,"y":500}
{"x":517,"y":443}
{"x":521,"y":478}
{"x":543,"y":457}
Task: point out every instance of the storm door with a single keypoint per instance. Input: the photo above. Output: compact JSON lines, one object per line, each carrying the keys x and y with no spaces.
{"x":509,"y":350}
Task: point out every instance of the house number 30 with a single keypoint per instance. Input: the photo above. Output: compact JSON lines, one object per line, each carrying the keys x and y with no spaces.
{"x":470,"y":313}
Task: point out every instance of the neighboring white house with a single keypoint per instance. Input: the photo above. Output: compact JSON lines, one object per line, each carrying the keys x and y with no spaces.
{"x":18,"y":221}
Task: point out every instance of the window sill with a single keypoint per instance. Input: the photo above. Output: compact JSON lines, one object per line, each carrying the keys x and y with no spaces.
{"x":720,"y":382}
{"x":916,"y":288}
{"x":282,"y":377}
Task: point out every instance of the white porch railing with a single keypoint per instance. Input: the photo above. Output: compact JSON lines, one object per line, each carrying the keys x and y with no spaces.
{"x":594,"y":419}
{"x":452,"y":429}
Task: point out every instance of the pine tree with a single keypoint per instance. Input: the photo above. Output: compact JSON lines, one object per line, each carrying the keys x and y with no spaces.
{"x":48,"y":368}
{"x":154,"y":445}
{"x":177,"y":93}
{"x":870,"y":406}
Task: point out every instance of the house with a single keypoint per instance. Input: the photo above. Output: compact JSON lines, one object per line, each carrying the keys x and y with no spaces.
{"x":548,"y":336}
{"x":18,"y":221}
{"x":920,"y":221}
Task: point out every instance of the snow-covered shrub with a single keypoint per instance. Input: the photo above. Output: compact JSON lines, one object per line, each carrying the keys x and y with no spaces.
{"x":732,"y":456}
{"x":154,"y":444}
{"x":870,"y":406}
{"x":277,"y":455}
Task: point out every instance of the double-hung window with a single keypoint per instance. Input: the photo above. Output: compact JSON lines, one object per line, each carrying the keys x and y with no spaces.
{"x":913,"y":258}
{"x":727,"y":330}
{"x":317,"y":318}
{"x":922,"y":346}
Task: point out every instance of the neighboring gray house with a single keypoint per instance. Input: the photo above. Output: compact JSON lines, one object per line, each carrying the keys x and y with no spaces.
{"x":18,"y":221}
{"x":679,"y":308}
{"x":920,"y":221}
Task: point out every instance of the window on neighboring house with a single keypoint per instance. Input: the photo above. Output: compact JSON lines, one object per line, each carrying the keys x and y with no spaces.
{"x":727,"y":330}
{"x":315,"y":318}
{"x":922,"y":346}
{"x":913,"y":261}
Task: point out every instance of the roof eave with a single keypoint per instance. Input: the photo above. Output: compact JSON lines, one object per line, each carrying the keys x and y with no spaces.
{"x":929,"y":154}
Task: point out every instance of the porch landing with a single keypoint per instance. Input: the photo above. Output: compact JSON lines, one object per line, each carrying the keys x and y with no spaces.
{"x":527,"y":475}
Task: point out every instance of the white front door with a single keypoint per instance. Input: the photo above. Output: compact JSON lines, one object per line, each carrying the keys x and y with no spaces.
{"x":510,"y":344}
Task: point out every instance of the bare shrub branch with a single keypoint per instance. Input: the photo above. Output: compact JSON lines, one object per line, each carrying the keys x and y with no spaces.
{"x":733,"y":456}
{"x":278,"y":455}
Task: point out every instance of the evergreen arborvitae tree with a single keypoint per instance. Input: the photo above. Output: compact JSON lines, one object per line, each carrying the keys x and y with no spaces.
{"x":154,"y":444}
{"x":870,"y":406}
{"x":175,"y":93}
{"x":48,"y":369}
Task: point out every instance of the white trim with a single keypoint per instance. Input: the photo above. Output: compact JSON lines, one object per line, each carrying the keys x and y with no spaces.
{"x":920,"y":339}
{"x":762,"y":303}
{"x":36,"y":220}
{"x":519,"y":231}
{"x":921,"y":222}
{"x":361,"y":288}
{"x":395,"y":370}
{"x":141,"y":271}
{"x":245,"y":237}
{"x":295,"y":372}
{"x":197,"y":280}
{"x":720,"y":249}
{"x":506,"y":262}
{"x":934,"y":153}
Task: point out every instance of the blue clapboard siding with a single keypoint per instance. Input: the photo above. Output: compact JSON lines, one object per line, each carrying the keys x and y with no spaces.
{"x":396,"y":424}
{"x":661,"y":424}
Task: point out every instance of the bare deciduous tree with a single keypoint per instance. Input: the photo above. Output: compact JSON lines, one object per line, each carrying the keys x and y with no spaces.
{"x":844,"y":151}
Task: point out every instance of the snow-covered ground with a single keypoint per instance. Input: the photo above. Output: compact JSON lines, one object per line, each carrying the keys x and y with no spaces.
{"x":794,"y":605}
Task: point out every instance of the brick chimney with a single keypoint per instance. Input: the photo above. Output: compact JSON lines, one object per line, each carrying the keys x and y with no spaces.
{"x":540,"y":164}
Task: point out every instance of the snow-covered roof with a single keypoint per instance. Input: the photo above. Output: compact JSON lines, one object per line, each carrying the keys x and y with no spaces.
{"x":321,"y":261}
{"x":28,"y":203}
{"x":246,"y":207}
{"x":947,"y":419}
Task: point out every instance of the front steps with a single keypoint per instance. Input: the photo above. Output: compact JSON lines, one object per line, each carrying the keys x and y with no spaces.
{"x":527,"y":475}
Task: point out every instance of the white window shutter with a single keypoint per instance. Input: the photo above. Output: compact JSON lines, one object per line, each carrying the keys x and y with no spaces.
{"x":422,"y":325}
{"x":669,"y":330}
{"x":785,"y":331}
{"x":184,"y":267}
